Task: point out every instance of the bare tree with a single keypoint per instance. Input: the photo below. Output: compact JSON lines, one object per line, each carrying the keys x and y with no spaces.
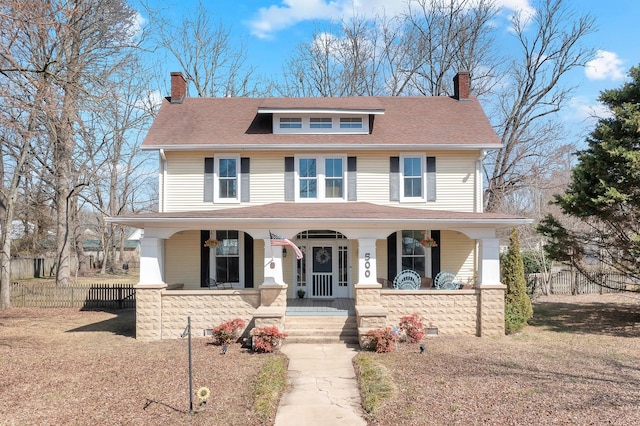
{"x":207,"y":54}
{"x":114,"y":166}
{"x":443,"y":37}
{"x":551,"y":46}
{"x":69,"y":48}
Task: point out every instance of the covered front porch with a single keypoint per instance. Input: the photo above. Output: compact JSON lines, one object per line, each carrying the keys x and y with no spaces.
{"x":349,"y":251}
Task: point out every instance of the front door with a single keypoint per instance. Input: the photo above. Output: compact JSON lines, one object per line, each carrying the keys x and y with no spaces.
{"x":328,"y":269}
{"x":322,"y":275}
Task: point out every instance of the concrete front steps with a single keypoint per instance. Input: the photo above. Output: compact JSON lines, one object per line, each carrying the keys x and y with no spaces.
{"x":321,"y":329}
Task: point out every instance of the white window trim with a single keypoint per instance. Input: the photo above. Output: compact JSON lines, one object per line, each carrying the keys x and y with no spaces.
{"x":321,"y":196}
{"x":423,"y":172}
{"x":427,"y":253}
{"x":321,"y":123}
{"x":216,"y":180}
{"x":306,"y":128}
{"x":292,"y":123}
{"x":213,"y":258}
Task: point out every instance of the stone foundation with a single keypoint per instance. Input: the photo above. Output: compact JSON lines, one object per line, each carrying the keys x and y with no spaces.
{"x":162,"y":313}
{"x":453,"y":312}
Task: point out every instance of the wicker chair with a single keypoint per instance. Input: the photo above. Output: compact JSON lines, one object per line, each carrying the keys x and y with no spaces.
{"x":445,"y":281}
{"x":407,"y":280}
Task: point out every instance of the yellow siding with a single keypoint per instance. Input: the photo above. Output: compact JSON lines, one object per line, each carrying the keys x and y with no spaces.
{"x":267,"y":178}
{"x":455,"y":176}
{"x":185,"y":181}
{"x":381,"y":258}
{"x":457,"y":254}
{"x":455,"y":181}
{"x":258,"y":263}
{"x":373,"y":178}
{"x":182,"y":259}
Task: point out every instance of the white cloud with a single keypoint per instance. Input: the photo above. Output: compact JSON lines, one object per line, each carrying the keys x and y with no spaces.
{"x":290,"y":12}
{"x":587,"y":112}
{"x":606,"y":65}
{"x":269,"y":20}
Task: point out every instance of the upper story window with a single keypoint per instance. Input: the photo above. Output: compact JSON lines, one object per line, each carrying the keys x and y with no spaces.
{"x":413,"y":177}
{"x":291,"y":123}
{"x":226,"y":182}
{"x":351,"y":123}
{"x":321,"y":178}
{"x":320,"y":123}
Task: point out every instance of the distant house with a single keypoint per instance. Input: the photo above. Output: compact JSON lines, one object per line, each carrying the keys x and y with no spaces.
{"x":361,"y":185}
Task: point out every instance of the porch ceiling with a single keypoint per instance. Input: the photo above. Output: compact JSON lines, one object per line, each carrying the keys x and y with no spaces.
{"x":312,"y":215}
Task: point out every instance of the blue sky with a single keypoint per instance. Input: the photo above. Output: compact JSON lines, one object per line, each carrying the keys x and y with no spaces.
{"x":271,"y":30}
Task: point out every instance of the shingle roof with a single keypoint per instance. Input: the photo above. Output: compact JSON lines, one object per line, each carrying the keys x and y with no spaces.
{"x":203,"y":123}
{"x":325,"y":212}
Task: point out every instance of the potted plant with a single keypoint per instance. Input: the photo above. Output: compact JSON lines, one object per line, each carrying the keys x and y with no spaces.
{"x":301,"y":293}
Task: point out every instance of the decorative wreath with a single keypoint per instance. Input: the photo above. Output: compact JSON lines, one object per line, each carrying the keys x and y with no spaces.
{"x":322,"y":256}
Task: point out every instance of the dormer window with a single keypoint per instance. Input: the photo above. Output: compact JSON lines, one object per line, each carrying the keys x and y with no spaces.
{"x":320,"y":123}
{"x":291,"y":123}
{"x":351,"y":123}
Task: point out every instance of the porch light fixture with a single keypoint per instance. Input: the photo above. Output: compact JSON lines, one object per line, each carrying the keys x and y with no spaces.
{"x":284,"y":252}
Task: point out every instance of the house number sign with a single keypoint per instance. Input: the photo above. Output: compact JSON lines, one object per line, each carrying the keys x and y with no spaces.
{"x":367,"y":265}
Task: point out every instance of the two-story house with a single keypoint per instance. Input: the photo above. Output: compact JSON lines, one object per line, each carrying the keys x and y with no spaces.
{"x":360,"y":184}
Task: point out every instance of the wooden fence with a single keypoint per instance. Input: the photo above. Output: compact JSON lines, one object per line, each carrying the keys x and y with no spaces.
{"x":84,"y":296}
{"x":568,"y":282}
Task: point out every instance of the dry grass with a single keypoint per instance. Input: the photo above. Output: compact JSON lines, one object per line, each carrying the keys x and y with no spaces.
{"x":64,"y":366}
{"x":579,"y":363}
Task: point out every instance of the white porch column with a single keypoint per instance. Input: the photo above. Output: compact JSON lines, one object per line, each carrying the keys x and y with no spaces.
{"x":367,"y":261}
{"x":273,"y":274}
{"x":151,"y":261}
{"x":489,"y":261}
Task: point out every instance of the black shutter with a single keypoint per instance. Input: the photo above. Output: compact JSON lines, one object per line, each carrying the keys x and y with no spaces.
{"x":352,"y":179}
{"x":394,"y":179}
{"x":435,"y":254}
{"x":208,"y":179}
{"x":245,"y":173}
{"x":204,"y":260}
{"x":289,"y":179}
{"x":431,"y":178}
{"x":392,"y":256}
{"x":248,"y":261}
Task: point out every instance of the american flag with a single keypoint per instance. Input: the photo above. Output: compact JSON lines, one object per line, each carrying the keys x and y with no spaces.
{"x":278,"y":240}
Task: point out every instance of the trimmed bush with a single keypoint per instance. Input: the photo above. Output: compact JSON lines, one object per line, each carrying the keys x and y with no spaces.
{"x":380,"y":340}
{"x":267,"y":339}
{"x":413,"y":327}
{"x":518,"y":308}
{"x":228,"y":331}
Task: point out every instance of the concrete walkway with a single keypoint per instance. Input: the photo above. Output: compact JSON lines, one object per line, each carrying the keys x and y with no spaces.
{"x":324,"y":390}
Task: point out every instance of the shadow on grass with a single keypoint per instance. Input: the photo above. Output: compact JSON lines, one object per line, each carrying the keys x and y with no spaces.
{"x":122,"y":324}
{"x":588,"y":318}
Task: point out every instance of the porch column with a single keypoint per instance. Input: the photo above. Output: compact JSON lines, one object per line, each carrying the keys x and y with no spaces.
{"x":149,"y":289}
{"x":273,"y":274}
{"x":489,"y":262}
{"x":151,"y":261}
{"x":367,"y":269}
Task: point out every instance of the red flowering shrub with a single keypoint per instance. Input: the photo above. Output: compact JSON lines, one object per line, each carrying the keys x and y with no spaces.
{"x":380,"y":339}
{"x":228,"y":331}
{"x":413,"y":327}
{"x":266,"y":339}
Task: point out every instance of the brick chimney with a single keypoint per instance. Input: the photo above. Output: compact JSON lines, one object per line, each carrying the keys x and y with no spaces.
{"x":461,"y":85}
{"x":178,"y":87}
